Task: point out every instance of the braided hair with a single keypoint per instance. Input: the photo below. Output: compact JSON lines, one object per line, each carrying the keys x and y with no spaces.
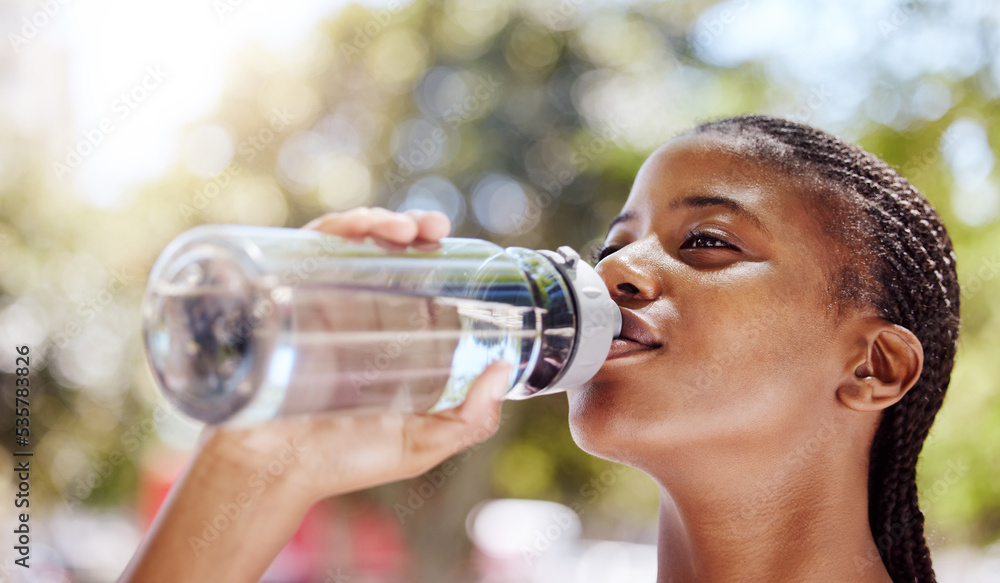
{"x":907,"y":273}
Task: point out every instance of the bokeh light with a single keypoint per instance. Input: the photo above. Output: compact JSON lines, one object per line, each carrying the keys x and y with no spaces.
{"x":524,"y":121}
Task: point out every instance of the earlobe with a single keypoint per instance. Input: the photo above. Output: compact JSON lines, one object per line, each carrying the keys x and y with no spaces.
{"x":891,"y":364}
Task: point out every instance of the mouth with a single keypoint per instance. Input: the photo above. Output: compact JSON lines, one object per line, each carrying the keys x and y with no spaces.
{"x":636,"y":336}
{"x":621,"y":347}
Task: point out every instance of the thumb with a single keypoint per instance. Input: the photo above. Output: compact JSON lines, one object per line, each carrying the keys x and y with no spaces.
{"x":428,"y":439}
{"x":481,"y":408}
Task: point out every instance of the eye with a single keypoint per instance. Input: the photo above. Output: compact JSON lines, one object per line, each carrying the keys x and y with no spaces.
{"x":603,"y":252}
{"x":706,"y":241}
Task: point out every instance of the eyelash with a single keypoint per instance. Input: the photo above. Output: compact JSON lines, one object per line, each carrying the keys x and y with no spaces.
{"x":598,"y":254}
{"x":706,"y":237}
{"x":689,"y":243}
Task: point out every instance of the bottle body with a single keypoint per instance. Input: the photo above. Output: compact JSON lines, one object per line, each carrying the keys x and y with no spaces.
{"x":247,"y":323}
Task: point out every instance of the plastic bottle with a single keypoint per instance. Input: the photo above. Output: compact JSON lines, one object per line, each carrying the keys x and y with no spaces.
{"x":246,"y":323}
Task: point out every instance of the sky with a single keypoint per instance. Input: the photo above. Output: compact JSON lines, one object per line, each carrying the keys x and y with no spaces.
{"x":135,"y":73}
{"x":135,"y":77}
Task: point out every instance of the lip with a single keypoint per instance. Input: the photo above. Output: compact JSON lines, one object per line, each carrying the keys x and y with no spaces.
{"x":621,"y":347}
{"x":636,"y":336}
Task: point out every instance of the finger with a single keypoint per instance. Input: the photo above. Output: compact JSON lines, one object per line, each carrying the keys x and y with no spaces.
{"x":431,"y":225}
{"x":485,"y":395}
{"x":353,"y":223}
{"x":394,"y":227}
{"x":429,"y":439}
{"x":364,"y":222}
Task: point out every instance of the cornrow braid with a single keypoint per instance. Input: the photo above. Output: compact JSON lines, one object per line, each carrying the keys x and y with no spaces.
{"x":908,"y":274}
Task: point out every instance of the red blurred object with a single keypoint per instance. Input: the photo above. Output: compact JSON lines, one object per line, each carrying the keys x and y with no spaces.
{"x":380,"y":546}
{"x":158,"y":471}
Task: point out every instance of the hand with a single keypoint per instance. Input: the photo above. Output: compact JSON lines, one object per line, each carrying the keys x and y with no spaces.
{"x":338,"y":453}
{"x":406,"y":228}
{"x":264,"y":478}
{"x":334,"y":453}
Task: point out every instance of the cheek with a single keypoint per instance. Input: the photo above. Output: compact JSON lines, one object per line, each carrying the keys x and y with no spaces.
{"x":760,"y":386}
{"x":758,"y":350}
{"x":749,"y":368}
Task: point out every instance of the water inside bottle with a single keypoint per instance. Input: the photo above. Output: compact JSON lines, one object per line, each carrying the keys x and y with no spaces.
{"x":311,"y":349}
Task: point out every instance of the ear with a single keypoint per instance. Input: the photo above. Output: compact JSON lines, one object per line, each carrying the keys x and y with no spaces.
{"x":887,"y":363}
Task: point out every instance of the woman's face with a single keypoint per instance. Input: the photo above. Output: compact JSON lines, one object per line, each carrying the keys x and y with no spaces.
{"x":721,"y":272}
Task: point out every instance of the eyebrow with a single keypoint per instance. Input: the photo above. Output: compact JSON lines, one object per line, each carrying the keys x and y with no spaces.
{"x":701,"y":201}
{"x":625,"y":216}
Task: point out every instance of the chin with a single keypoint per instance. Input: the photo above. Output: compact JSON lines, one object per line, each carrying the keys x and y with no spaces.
{"x":597,"y":425}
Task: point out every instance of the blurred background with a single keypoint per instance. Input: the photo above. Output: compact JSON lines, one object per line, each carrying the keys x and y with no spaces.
{"x":125,"y":123}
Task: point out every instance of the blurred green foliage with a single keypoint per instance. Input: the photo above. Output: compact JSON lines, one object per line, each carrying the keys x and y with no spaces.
{"x":549,"y":107}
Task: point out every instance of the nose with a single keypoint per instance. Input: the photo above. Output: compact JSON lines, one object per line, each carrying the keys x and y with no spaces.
{"x":629,"y":277}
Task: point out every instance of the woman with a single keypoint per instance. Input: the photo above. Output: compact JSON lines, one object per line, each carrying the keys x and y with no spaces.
{"x":790,"y":311}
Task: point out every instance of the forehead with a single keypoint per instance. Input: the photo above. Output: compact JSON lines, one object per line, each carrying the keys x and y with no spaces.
{"x":714,"y":166}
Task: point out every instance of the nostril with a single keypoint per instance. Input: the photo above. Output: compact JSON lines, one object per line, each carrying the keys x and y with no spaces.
{"x":628,"y":288}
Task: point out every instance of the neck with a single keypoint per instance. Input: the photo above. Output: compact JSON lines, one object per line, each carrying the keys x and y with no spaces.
{"x":810,"y":524}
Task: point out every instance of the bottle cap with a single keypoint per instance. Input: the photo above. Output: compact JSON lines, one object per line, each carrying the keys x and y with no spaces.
{"x":599,"y":320}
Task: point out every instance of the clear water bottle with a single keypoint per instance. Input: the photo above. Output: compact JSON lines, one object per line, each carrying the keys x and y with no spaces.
{"x":246,"y":323}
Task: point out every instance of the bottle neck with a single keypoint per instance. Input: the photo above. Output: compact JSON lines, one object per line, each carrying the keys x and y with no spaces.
{"x":555,"y":321}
